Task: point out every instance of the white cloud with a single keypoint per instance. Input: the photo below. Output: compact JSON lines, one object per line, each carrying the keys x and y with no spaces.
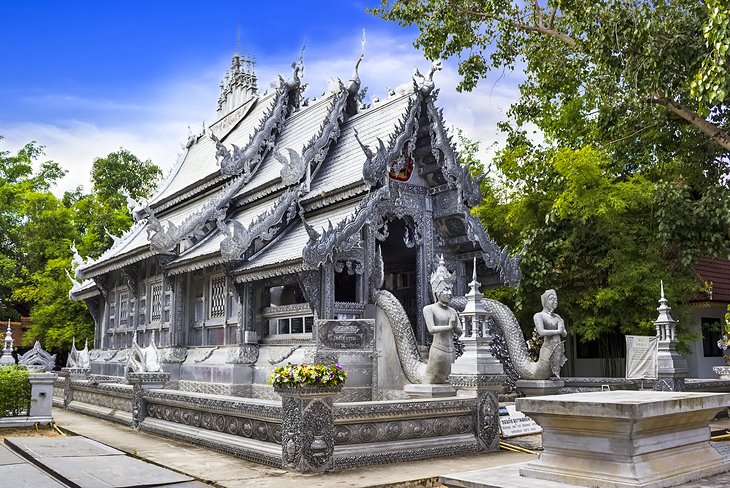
{"x":156,"y":127}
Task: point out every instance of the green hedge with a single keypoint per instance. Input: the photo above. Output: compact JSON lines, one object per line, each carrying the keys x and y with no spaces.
{"x":14,"y":391}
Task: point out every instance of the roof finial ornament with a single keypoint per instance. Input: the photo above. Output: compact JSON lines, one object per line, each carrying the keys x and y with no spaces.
{"x":354,"y":84}
{"x":298,"y":66}
{"x":238,"y":37}
{"x":425,"y":84}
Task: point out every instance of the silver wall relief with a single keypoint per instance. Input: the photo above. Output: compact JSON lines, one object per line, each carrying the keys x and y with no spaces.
{"x":399,"y":149}
{"x":320,"y":247}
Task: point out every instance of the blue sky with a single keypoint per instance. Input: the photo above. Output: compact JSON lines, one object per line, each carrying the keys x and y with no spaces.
{"x":85,"y":78}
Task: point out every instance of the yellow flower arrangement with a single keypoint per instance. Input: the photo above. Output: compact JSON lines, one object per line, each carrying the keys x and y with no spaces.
{"x":293,"y":375}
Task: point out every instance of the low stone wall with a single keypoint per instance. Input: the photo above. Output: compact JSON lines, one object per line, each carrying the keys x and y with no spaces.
{"x":108,"y":401}
{"x":403,"y":430}
{"x":357,"y":433}
{"x":247,"y":428}
{"x":587,"y":384}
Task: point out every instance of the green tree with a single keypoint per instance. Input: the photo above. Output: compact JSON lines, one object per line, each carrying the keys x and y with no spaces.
{"x":613,"y":59}
{"x":52,"y":225}
{"x":630,"y":181}
{"x":643,"y":80}
{"x":20,"y":188}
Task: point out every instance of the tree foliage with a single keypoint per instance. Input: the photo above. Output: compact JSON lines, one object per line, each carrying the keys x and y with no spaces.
{"x":39,"y":228}
{"x":616,"y":60}
{"x":629,"y":182}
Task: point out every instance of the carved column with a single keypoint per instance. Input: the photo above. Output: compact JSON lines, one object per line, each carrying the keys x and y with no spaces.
{"x":246,"y":327}
{"x":425,"y":258}
{"x":307,"y":437}
{"x":327,"y":291}
{"x":177,"y":328}
{"x":130,"y":276}
{"x":141,"y":382}
{"x":94,"y":306}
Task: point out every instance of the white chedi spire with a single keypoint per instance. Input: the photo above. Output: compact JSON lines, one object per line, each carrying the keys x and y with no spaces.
{"x":239,"y":84}
{"x":474,"y":304}
{"x":666,"y":326}
{"x":7,"y":357}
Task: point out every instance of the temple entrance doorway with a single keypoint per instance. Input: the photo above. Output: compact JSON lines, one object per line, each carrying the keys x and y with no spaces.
{"x":400,"y":257}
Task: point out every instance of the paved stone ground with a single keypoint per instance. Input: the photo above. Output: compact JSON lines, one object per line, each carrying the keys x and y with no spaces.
{"x":79,"y":462}
{"x":226,"y":471}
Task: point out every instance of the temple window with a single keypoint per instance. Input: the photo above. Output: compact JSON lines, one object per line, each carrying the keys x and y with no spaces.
{"x":142,"y":303}
{"x":288,"y":313}
{"x":166,"y":303}
{"x":123,"y":308}
{"x":217,"y":293}
{"x":346,"y":282}
{"x":156,"y":301}
{"x":112,"y":310}
{"x":197,"y":293}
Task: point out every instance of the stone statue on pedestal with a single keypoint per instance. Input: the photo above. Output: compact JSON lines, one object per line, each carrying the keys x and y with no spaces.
{"x":551,"y":327}
{"x":442,"y":321}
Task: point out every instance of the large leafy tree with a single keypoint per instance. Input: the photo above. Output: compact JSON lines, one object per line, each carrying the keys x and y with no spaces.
{"x":612,"y":59}
{"x":51,"y":225}
{"x":21,"y":188}
{"x":644,"y":80}
{"x":629,"y":182}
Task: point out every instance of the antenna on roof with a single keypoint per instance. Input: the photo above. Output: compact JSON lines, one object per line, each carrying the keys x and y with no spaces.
{"x":238,"y":37}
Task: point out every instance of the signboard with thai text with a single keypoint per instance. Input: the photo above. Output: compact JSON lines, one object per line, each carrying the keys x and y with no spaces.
{"x":641,"y":357}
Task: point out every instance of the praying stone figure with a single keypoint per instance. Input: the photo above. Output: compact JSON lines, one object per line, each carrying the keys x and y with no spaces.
{"x":442,"y":321}
{"x":551,"y":327}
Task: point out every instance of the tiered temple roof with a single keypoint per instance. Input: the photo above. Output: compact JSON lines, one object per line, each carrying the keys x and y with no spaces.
{"x":278,"y":181}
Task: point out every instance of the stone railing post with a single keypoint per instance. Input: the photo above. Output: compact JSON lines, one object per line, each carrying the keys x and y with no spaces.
{"x":141,"y":382}
{"x":70,"y":375}
{"x":307,"y":431}
{"x":41,"y":396}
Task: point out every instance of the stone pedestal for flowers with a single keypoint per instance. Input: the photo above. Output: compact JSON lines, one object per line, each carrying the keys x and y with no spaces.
{"x":307,"y":431}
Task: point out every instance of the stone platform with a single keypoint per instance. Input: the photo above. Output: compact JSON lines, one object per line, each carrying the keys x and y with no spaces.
{"x":614,"y":439}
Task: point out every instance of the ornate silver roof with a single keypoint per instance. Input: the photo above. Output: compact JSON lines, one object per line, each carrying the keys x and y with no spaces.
{"x":254,"y":173}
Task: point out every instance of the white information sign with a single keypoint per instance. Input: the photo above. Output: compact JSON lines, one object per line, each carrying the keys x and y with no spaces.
{"x":516,"y":424}
{"x":641,"y":357}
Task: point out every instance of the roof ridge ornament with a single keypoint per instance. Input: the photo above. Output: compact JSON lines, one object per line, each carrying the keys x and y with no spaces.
{"x":38,"y":359}
{"x":353,"y":85}
{"x":400,"y":147}
{"x":321,"y":246}
{"x":456,"y":174}
{"x":425,"y":84}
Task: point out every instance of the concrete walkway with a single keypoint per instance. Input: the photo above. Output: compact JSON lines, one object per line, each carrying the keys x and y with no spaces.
{"x":227,"y":471}
{"x":79,"y":462}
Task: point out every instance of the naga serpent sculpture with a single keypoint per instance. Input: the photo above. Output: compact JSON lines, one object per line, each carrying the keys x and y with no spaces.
{"x":551,"y":357}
